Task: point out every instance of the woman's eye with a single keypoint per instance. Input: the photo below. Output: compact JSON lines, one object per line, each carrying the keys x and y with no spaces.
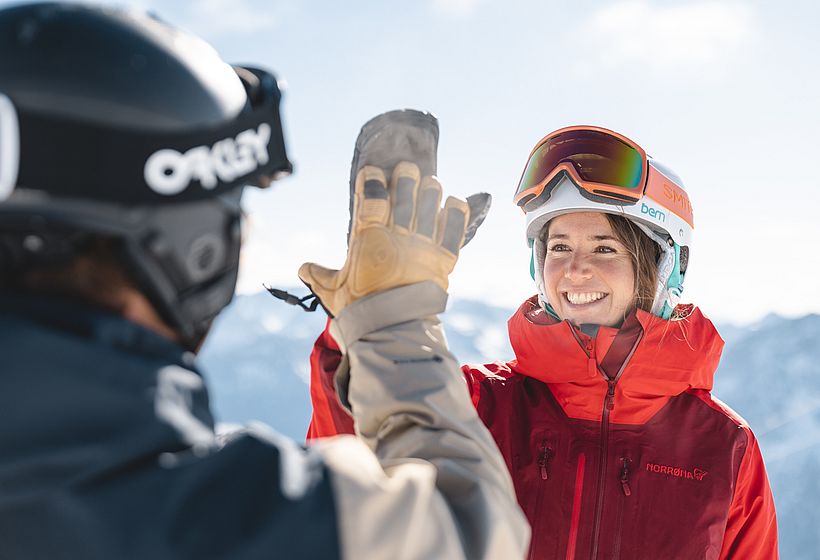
{"x":604,"y":249}
{"x":557,"y":248}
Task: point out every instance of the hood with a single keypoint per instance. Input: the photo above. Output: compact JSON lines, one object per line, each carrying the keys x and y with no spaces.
{"x":662,"y":359}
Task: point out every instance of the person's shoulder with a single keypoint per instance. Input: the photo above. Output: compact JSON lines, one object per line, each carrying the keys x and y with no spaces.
{"x":493,"y":377}
{"x":736,"y":425}
{"x":493,"y":372}
{"x":720,"y":407}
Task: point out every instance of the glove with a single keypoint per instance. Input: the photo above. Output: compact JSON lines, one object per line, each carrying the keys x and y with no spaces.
{"x":398,"y":236}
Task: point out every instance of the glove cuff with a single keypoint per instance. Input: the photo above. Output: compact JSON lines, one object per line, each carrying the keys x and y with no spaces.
{"x":386,"y":308}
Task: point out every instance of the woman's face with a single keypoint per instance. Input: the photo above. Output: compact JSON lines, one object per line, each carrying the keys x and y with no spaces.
{"x":588,"y":273}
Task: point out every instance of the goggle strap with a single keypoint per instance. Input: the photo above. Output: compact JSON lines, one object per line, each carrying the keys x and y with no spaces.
{"x":108,"y":164}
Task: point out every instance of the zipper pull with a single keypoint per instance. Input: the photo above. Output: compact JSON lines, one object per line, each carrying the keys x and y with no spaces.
{"x":625,"y":477}
{"x":543,"y":460}
{"x":610,"y":395}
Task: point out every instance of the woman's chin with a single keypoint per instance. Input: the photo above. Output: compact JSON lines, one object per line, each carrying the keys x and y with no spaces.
{"x":607,"y":318}
{"x":589,"y":314}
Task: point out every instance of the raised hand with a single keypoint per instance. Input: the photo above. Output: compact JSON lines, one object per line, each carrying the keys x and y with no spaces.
{"x":399,"y":236}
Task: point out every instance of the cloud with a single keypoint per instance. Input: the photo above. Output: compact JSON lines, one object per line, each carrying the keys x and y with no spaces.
{"x":669,"y":36}
{"x":456,"y":8}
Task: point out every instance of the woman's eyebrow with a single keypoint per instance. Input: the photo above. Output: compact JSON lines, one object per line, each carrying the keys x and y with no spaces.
{"x":591,"y":237}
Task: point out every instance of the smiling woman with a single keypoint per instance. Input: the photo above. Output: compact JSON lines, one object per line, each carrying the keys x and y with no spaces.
{"x":615,"y":444}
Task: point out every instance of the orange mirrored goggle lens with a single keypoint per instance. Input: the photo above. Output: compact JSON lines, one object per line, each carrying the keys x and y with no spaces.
{"x":606,"y":166}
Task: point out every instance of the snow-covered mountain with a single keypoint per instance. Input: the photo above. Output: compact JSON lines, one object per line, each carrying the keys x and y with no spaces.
{"x":771,"y":375}
{"x":256,"y":358}
{"x":256,"y":361}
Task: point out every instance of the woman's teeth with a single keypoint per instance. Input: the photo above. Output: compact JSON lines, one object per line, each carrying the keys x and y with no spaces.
{"x":584,"y":298}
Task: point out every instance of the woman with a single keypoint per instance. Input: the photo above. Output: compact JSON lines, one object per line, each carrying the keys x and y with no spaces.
{"x":616,"y":447}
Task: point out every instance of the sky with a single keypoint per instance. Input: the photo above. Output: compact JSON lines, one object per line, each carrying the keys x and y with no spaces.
{"x":725,"y":93}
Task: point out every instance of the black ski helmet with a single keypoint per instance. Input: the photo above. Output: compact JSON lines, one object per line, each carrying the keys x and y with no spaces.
{"x":117,"y":124}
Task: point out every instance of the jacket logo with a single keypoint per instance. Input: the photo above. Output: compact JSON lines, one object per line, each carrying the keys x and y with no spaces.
{"x":679,"y":472}
{"x":169,"y":172}
{"x":699,"y":474}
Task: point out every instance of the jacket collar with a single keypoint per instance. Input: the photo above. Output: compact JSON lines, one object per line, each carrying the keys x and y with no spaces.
{"x":663,"y":358}
{"x":85,"y":321}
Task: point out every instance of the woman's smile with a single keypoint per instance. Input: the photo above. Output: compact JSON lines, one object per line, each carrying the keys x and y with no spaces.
{"x":584,"y":298}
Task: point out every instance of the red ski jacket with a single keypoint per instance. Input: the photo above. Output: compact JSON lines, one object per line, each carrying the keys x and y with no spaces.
{"x":616,"y":447}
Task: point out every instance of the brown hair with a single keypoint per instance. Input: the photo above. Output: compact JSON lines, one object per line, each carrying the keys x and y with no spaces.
{"x":93,"y":269}
{"x":95,"y":274}
{"x":644,"y":253}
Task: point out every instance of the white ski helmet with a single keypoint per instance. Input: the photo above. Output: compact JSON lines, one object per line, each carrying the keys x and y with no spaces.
{"x":592,"y":169}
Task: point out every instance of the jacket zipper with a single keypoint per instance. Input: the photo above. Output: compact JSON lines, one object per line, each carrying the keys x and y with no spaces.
{"x":625,"y":476}
{"x":609,"y":404}
{"x":545,"y":454}
{"x":627,"y":491}
{"x":544,"y":459}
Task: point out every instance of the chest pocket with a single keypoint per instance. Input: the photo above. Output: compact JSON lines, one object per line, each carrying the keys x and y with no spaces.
{"x":541,"y":479}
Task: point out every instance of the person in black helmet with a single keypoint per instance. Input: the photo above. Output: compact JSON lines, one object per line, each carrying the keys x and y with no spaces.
{"x":125,"y":145}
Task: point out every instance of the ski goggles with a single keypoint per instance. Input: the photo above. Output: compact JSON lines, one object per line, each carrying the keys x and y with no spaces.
{"x":148,"y":166}
{"x":605,"y":165}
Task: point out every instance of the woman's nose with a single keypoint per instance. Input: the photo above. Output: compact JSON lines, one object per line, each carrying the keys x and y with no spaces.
{"x":577,"y":268}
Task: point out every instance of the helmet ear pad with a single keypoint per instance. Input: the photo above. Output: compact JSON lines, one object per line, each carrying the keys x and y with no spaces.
{"x":539,"y":255}
{"x":669,"y":284}
{"x":185,"y":258}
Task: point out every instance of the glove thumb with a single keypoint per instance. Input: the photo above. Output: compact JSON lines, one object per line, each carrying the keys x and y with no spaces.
{"x":323,"y":282}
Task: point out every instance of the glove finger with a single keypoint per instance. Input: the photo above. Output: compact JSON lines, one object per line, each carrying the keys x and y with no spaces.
{"x":452,"y":222}
{"x":385,"y":140}
{"x":479,"y":204}
{"x":404,"y":183}
{"x":372,"y":205}
{"x":429,"y":199}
